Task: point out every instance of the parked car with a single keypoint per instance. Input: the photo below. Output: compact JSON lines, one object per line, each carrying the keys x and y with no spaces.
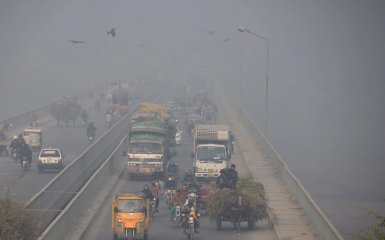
{"x":50,"y":158}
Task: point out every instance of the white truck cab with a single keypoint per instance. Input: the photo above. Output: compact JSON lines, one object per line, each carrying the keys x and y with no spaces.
{"x":211,"y":150}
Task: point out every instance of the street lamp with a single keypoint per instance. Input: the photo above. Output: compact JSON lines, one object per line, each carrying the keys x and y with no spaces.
{"x":243,"y":29}
{"x":240,"y":66}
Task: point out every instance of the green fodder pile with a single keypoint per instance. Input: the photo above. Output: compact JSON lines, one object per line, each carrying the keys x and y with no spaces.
{"x":16,"y":223}
{"x":253,"y":198}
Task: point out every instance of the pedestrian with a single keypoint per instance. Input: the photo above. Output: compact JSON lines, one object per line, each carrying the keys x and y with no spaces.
{"x":222,"y":179}
{"x":233,"y":177}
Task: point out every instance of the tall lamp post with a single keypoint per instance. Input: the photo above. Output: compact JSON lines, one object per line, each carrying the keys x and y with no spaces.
{"x":243,"y":29}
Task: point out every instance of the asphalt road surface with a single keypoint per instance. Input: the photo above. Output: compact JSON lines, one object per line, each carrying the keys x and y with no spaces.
{"x":72,"y":141}
{"x":161,"y":227}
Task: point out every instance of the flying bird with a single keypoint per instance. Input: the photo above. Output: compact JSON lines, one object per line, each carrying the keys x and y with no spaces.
{"x":77,"y":41}
{"x":211,"y":32}
{"x":112,"y":32}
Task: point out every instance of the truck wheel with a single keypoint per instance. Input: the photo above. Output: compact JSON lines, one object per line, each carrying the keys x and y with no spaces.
{"x":115,"y":236}
{"x":145,"y":237}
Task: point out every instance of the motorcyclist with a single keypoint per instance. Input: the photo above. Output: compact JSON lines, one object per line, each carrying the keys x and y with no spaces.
{"x":20,"y":140}
{"x":26,"y":152}
{"x":97,"y":104}
{"x":84,"y":117}
{"x":34,"y":121}
{"x":156,"y":193}
{"x":188,"y":177}
{"x":91,"y":129}
{"x":15,"y":146}
{"x":170,"y":183}
{"x":173,"y":168}
{"x":178,"y":199}
{"x":188,"y":208}
{"x":108,"y":118}
{"x":147,"y":193}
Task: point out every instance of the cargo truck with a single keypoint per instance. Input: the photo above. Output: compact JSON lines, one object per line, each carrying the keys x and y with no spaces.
{"x":150,"y":135}
{"x":212,"y":150}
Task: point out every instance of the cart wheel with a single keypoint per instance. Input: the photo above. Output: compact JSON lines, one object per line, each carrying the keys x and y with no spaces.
{"x":219,"y":224}
{"x":250,"y":224}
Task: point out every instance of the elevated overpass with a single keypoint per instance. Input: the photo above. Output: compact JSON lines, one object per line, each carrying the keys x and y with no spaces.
{"x":294,"y":214}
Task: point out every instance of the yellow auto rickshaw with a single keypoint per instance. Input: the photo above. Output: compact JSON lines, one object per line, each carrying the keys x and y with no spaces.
{"x":130,"y":216}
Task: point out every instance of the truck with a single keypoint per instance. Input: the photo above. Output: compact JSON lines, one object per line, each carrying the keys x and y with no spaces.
{"x":34,"y":138}
{"x":212,"y":150}
{"x":118,"y":97}
{"x":150,"y":135}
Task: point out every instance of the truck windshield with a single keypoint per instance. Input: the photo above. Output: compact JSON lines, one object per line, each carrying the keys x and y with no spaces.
{"x":131,"y":205}
{"x":211,"y":153}
{"x":145,"y":148}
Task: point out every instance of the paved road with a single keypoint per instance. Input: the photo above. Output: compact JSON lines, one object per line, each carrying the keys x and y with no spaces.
{"x":71,"y":140}
{"x":161,"y":227}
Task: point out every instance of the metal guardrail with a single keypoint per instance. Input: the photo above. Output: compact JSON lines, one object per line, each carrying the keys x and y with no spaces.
{"x":321,"y":223}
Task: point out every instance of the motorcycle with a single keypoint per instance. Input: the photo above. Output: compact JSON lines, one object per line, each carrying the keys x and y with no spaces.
{"x":169,"y":195}
{"x":189,"y":225}
{"x":24,"y":163}
{"x":15,"y":155}
{"x":177,"y":215}
{"x":153,"y":207}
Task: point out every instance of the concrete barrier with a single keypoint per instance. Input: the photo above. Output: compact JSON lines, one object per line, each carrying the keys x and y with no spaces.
{"x":50,"y":200}
{"x":67,"y":218}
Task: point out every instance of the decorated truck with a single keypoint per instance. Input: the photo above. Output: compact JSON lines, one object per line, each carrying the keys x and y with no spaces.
{"x":212,"y":150}
{"x":118,"y":97}
{"x":150,"y":136}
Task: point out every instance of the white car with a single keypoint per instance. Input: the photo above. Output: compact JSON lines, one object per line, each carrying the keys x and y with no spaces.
{"x":50,"y":158}
{"x":178,"y":137}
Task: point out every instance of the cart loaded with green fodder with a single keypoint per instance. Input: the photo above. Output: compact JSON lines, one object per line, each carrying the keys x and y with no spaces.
{"x":247,"y":203}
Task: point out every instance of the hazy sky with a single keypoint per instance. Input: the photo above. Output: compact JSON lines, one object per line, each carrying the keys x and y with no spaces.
{"x":326,"y":71}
